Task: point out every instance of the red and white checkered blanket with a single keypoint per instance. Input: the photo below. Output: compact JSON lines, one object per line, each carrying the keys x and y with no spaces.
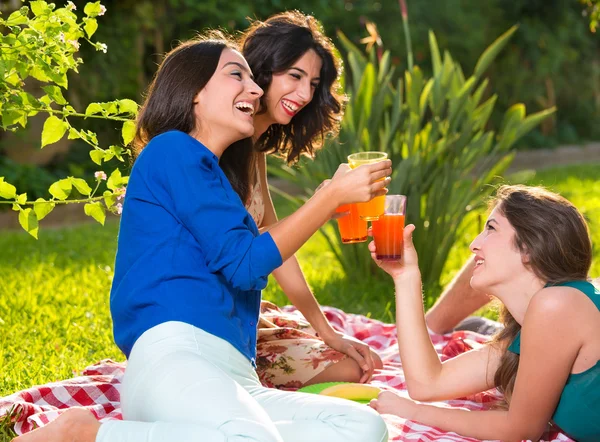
{"x":98,"y":388}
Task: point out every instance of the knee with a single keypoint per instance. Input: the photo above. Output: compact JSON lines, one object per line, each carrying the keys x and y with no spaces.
{"x":247,"y":430}
{"x":349,"y":371}
{"x":376,"y":360}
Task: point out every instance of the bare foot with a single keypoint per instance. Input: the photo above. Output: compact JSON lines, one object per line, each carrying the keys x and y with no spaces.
{"x":74,"y":425}
{"x":389,"y":402}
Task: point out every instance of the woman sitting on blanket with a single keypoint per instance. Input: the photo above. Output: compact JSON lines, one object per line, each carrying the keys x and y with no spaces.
{"x":189,"y":270}
{"x":294,"y":63}
{"x":533,"y":255}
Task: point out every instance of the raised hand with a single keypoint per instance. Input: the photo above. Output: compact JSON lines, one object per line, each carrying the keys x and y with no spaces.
{"x":361,"y":184}
{"x":409,"y":261}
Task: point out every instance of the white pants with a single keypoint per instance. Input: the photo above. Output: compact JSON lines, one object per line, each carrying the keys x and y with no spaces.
{"x":183,"y":384}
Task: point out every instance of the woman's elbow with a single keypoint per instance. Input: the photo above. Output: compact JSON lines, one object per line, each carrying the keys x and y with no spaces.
{"x":514,"y":433}
{"x":421,"y":393}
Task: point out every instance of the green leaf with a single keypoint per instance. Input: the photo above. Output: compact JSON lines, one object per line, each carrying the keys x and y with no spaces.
{"x":492,"y":52}
{"x":42,"y":208}
{"x":54,"y":129}
{"x":38,"y":7}
{"x":436,"y":59}
{"x":117,"y":151}
{"x":29,"y":100}
{"x":92,"y":9}
{"x":61,"y":189}
{"x":351,"y":48}
{"x":97,"y":156}
{"x":111,"y":107}
{"x":16,"y":19}
{"x":55,"y":93}
{"x":91,"y":25}
{"x":109,"y":198}
{"x":94,"y":108}
{"x":81,"y":186}
{"x":115,"y":180}
{"x":29,"y":222}
{"x":95,"y":210}
{"x":73,"y":134}
{"x":128,"y":106}
{"x":7,"y":190}
{"x":22,"y":199}
{"x":12,"y":117}
{"x":533,"y":120}
{"x":128,"y":132}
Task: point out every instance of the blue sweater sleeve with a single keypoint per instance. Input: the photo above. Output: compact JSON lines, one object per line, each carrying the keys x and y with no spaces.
{"x":194,"y":189}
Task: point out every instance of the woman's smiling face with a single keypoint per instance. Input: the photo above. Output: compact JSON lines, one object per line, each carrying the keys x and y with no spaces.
{"x":292,"y":89}
{"x":497,"y":259}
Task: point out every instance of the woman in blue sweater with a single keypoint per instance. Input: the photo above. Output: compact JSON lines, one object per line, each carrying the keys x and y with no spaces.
{"x":534,"y":255}
{"x":189,"y":270}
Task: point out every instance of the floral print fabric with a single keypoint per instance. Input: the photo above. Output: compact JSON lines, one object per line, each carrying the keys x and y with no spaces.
{"x":289,"y":352}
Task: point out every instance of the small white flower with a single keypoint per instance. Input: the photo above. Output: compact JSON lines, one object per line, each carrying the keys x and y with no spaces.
{"x":71,"y":6}
{"x":122,"y":191}
{"x":100,"y":176}
{"x":119,"y":207}
{"x":74,"y":43}
{"x":102,"y":10}
{"x":102,"y":47}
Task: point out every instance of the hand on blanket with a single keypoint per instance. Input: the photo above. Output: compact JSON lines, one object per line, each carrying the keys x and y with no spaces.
{"x":409,"y":262}
{"x":357,"y":350}
{"x":389,"y":402}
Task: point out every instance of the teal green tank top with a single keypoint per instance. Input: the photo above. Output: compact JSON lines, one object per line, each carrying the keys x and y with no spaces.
{"x":578,"y":410}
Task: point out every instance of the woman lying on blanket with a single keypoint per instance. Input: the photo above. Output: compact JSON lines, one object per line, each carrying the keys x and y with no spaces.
{"x":533,"y":255}
{"x":294,"y":63}
{"x":189,"y":269}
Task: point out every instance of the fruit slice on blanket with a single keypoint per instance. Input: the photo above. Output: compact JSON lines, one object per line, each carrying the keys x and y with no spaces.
{"x":362,"y":393}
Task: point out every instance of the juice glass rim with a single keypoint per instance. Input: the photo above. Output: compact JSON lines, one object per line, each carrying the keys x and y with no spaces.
{"x":402,"y":207}
{"x":370,"y":156}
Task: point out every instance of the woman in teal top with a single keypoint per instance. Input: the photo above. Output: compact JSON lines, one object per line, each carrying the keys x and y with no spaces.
{"x":577,"y":412}
{"x":534,"y":255}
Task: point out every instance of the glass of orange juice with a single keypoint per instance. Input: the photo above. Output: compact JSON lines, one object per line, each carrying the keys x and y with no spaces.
{"x":388,"y":230}
{"x":353,"y":229}
{"x":373,"y":209}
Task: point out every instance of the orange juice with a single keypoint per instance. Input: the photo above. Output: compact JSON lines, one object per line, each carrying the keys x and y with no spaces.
{"x":352,"y":228}
{"x":388,"y":233}
{"x":373,"y":209}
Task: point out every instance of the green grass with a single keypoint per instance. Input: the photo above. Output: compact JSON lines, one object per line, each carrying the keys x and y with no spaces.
{"x":54,"y":315}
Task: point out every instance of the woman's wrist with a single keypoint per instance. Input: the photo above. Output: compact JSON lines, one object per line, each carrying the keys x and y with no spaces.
{"x":415,"y":411}
{"x":324,"y":330}
{"x":409,"y":275}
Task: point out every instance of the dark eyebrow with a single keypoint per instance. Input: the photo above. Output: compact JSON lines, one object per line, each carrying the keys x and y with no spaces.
{"x":304,"y":72}
{"x":241,"y":66}
{"x":491,"y":220}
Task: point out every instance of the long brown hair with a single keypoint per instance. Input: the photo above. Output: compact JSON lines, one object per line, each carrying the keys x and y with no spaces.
{"x":185,"y":71}
{"x":555,"y":237}
{"x":271,"y":47}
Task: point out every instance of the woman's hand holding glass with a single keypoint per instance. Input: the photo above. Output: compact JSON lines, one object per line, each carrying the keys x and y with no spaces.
{"x":407,"y":265}
{"x":361,"y":184}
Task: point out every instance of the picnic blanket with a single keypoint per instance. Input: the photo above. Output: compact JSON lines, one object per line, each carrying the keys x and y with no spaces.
{"x":98,"y":387}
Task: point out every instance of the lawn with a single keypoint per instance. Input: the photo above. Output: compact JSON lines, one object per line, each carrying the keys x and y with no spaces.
{"x":54,"y":316}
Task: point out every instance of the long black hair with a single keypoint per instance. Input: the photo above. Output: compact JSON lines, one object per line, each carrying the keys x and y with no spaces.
{"x":271,"y":47}
{"x":184,"y":72}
